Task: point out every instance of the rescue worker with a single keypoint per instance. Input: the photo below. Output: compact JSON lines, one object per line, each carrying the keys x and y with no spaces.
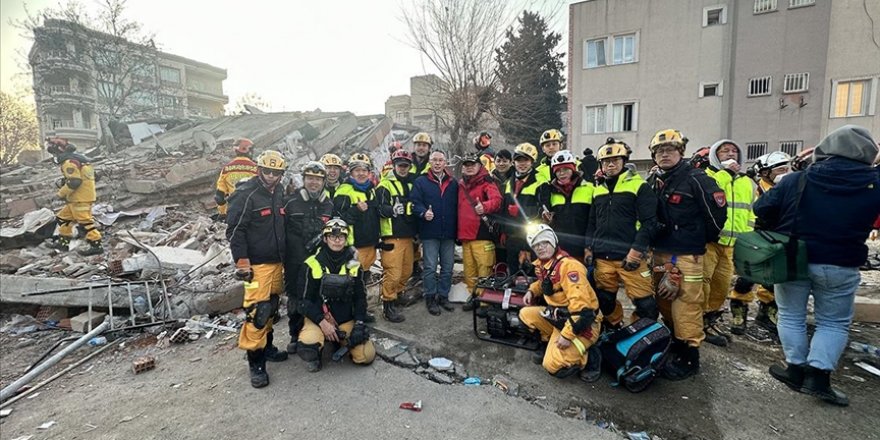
{"x":522,"y":205}
{"x":567,"y":209}
{"x":398,"y":228}
{"x":551,"y":143}
{"x":478,"y":198}
{"x":570,"y":322}
{"x":256,"y":232}
{"x":356,"y":203}
{"x":77,"y":188}
{"x":333,"y":164}
{"x":768,"y":170}
{"x":725,"y":166}
{"x":422,"y":144}
{"x":389,"y":165}
{"x":483,"y":145}
{"x":503,"y":168}
{"x":306,"y":211}
{"x":334,"y":301}
{"x":241,"y":167}
{"x":691,"y":212}
{"x":623,"y":223}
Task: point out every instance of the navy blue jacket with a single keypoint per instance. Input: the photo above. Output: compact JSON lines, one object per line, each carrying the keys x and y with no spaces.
{"x":841,"y":200}
{"x":443,"y":200}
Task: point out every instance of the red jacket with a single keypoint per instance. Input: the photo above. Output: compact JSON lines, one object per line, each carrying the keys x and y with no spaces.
{"x":481,"y":189}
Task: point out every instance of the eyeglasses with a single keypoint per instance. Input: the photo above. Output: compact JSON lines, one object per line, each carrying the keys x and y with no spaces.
{"x":272,"y":171}
{"x":669,"y":149}
{"x":337,"y":237}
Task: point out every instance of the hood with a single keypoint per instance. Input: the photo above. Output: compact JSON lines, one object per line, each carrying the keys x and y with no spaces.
{"x":842,"y":175}
{"x":850,"y":141}
{"x":713,"y":156}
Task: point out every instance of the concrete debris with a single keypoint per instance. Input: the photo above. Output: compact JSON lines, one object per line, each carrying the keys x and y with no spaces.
{"x":143,"y":363}
{"x":86,"y":321}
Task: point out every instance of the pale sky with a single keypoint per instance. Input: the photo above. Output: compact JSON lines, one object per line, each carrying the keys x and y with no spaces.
{"x":339,"y":55}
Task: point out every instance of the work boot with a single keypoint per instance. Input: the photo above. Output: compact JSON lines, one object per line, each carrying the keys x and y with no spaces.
{"x":818,"y":383}
{"x":740,"y":312}
{"x":271,"y":352}
{"x":767,"y":316}
{"x":59,"y":242}
{"x":562,"y":373}
{"x":444,"y":302}
{"x":470,"y":304}
{"x":593,"y":370}
{"x":608,"y":327}
{"x":433,"y":306}
{"x":257,"y":366}
{"x":793,"y":375}
{"x":684,"y":365}
{"x":291,"y":348}
{"x":94,"y":248}
{"x":538,"y":355}
{"x":714,"y":335}
{"x":389,"y":311}
{"x":370,"y":317}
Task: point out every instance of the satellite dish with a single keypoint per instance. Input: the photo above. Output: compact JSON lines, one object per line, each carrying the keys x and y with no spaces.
{"x":204,"y":141}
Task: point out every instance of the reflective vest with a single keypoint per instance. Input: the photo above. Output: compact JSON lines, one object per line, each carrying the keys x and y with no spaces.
{"x":740,"y":193}
{"x":240,"y":168}
{"x":545,"y":172}
{"x":76,"y":168}
{"x":628,"y":182}
{"x":368,"y":222}
{"x":582,"y":194}
{"x":336,"y":286}
{"x":397,"y":190}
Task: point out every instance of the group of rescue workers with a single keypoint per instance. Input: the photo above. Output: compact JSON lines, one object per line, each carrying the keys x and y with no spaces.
{"x":667,"y":239}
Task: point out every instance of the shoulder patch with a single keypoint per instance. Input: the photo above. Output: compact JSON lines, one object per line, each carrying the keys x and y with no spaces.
{"x":573,"y":276}
{"x":720,"y":199}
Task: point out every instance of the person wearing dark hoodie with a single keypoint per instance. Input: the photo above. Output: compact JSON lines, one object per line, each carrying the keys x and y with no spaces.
{"x":839,"y":202}
{"x":522,"y":202}
{"x":568,"y":199}
{"x":589,"y":165}
{"x":725,"y":166}
{"x":356,"y":203}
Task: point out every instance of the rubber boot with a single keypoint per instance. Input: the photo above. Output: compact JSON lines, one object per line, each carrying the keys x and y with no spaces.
{"x":295,"y":323}
{"x":593,"y":370}
{"x":433,"y":305}
{"x":389,"y":311}
{"x":59,"y":242}
{"x":312,"y":354}
{"x":272,"y":353}
{"x":94,"y":248}
{"x":714,"y":336}
{"x":792,"y":376}
{"x":538,"y":355}
{"x":257,"y":366}
{"x":766,"y":317}
{"x":818,"y":383}
{"x":685,"y":365}
{"x":443,"y":301}
{"x":470,"y":304}
{"x":740,"y":312}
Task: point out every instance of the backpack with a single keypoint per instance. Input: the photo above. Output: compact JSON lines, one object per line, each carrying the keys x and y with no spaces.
{"x":635,"y":354}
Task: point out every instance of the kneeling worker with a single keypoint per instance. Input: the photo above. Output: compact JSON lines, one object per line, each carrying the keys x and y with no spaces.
{"x":334,"y":301}
{"x":570,"y":322}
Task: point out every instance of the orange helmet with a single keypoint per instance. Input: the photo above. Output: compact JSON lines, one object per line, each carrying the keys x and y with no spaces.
{"x":243,"y":146}
{"x":401,"y":155}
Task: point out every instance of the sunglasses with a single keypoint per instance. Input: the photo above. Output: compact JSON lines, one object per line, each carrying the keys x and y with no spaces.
{"x":272,"y":172}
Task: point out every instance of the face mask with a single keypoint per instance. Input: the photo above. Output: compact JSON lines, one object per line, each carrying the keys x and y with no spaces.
{"x":778,"y":178}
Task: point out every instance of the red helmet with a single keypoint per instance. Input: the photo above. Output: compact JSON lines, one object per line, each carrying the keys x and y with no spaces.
{"x":394,"y":146}
{"x":401,"y":155}
{"x":700,"y":159}
{"x":243,"y":146}
{"x":56,"y":145}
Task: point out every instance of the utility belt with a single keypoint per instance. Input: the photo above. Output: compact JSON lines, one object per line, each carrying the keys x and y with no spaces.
{"x":337,"y":288}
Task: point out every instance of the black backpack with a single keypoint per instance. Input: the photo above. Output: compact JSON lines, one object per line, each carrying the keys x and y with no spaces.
{"x":635,"y":354}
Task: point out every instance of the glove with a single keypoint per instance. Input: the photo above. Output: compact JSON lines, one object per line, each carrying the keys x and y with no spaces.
{"x":398,"y":209}
{"x":669,"y":285}
{"x":513,"y":211}
{"x":359,"y":334}
{"x":632,"y":261}
{"x":588,"y":257}
{"x":243,"y":270}
{"x":385,"y":246}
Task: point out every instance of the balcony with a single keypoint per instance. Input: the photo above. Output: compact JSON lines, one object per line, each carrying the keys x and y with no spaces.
{"x":65,"y":95}
{"x":206,"y":95}
{"x":55,"y":60}
{"x":68,"y":130}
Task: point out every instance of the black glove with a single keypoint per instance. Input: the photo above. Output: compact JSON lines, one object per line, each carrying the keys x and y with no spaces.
{"x":244,"y":274}
{"x":584,"y":323}
{"x":359,"y":334}
{"x":387,"y":247}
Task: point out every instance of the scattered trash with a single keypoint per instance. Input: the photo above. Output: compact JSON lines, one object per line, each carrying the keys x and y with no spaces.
{"x":684,"y":397}
{"x":33,"y":395}
{"x":740,"y":366}
{"x":505,"y":384}
{"x":869,"y":368}
{"x":638,"y":435}
{"x":417,"y":406}
{"x":47,"y":425}
{"x":143,"y":363}
{"x":5,"y":412}
{"x":855,"y":378}
{"x":96,"y":341}
{"x":195,"y":359}
{"x":24,"y":437}
{"x":180,"y":336}
{"x":865,"y":348}
{"x":440,"y":363}
{"x":472,"y":381}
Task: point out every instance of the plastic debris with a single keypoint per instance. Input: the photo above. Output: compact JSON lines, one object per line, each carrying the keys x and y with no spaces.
{"x":472,"y":381}
{"x":417,"y":406}
{"x":47,"y":425}
{"x":865,"y":348}
{"x":440,"y":363}
{"x":638,"y":435}
{"x":5,"y":412}
{"x":869,"y":368}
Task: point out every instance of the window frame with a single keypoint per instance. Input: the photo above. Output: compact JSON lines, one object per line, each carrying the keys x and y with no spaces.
{"x":169,"y":68}
{"x":749,"y":146}
{"x":719,"y":89}
{"x":798,"y":147}
{"x":769,"y":91}
{"x":802,"y":3}
{"x":593,"y":128}
{"x":772,"y":6}
{"x":587,"y":44}
{"x":722,"y":18}
{"x":806,"y":82}
{"x":609,"y":117}
{"x":869,"y":97}
{"x":635,"y":48}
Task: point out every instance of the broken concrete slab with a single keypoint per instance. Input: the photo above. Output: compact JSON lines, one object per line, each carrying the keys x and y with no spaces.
{"x":168,"y":258}
{"x":86,"y":321}
{"x":36,"y":226}
{"x":16,"y":208}
{"x":67,"y":292}
{"x":11,"y":263}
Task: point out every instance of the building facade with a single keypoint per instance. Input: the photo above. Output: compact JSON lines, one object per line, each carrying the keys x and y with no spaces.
{"x":83,"y":77}
{"x":769,"y":74}
{"x":421,"y":108}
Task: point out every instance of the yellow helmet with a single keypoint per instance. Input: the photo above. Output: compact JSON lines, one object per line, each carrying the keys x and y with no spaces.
{"x":668,"y":136}
{"x":335,"y":226}
{"x":613,"y":148}
{"x":359,"y":159}
{"x":424,"y":138}
{"x":272,"y":160}
{"x":331,"y":159}
{"x":550,"y":136}
{"x":526,"y":149}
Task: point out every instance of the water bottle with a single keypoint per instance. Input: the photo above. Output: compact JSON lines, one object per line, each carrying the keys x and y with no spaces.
{"x":96,"y":341}
{"x":140,"y":305}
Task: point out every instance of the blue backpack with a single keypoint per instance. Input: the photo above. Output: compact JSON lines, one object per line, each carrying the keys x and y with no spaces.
{"x":635,"y":354}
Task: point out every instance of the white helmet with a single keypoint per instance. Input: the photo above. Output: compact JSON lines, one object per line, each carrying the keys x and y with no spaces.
{"x":561,"y":158}
{"x":774,"y":160}
{"x":539,"y":233}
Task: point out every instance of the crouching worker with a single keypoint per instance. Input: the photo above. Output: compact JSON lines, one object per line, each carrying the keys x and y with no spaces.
{"x":334,"y":301}
{"x":571,"y":321}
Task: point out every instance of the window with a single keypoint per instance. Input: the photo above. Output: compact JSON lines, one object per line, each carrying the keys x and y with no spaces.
{"x":108,"y":90}
{"x":609,"y":118}
{"x":622,"y":117}
{"x":760,"y":86}
{"x":796,"y":82}
{"x":595,"y":53}
{"x":169,"y":74}
{"x":594,"y":119}
{"x":143,"y":99}
{"x":710,"y":89}
{"x":791,"y":148}
{"x":168,"y":101}
{"x":714,"y":15}
{"x":799,"y":3}
{"x":624,"y":49}
{"x":762,"y":6}
{"x":851,"y":98}
{"x":755,"y":150}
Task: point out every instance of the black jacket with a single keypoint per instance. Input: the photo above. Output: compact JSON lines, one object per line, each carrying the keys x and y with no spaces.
{"x":691,"y":210}
{"x":255,"y":223}
{"x":305,"y":220}
{"x":619,"y":203}
{"x":588,"y":167}
{"x":364,"y":223}
{"x":312,"y":302}
{"x":400,"y":226}
{"x":571,"y":213}
{"x":531,"y":201}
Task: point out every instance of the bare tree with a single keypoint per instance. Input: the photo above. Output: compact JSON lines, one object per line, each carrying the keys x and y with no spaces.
{"x":18,"y":128}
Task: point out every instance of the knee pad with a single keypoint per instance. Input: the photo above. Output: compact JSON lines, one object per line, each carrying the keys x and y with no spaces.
{"x":646,"y":308}
{"x":607,"y":301}
{"x":308,"y":352}
{"x":263,"y":311}
{"x":742,"y":285}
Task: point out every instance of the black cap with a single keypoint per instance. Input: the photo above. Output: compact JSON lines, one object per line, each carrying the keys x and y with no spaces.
{"x":589,"y":151}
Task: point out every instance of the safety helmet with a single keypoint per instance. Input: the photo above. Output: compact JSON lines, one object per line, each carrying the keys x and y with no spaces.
{"x":423,"y":138}
{"x":551,"y":135}
{"x":314,"y":168}
{"x":539,"y":233}
{"x":563,"y":158}
{"x":700,"y":158}
{"x":56,"y":145}
{"x":613,"y":148}
{"x":775,"y":159}
{"x":335,"y":226}
{"x":803,"y":160}
{"x":242,"y":146}
{"x":668,"y":136}
{"x":331,"y":160}
{"x":526,"y":149}
{"x":401,"y":156}
{"x":359,"y":160}
{"x":272,"y":160}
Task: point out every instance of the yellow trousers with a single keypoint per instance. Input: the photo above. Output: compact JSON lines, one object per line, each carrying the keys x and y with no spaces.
{"x":685,"y":312}
{"x":268,"y":280}
{"x":717,"y":275}
{"x":362,"y":354}
{"x":366,"y":256}
{"x":397,"y":265}
{"x":556,"y":359}
{"x":79,"y":213}
{"x":609,"y":274}
{"x":478,"y":257}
